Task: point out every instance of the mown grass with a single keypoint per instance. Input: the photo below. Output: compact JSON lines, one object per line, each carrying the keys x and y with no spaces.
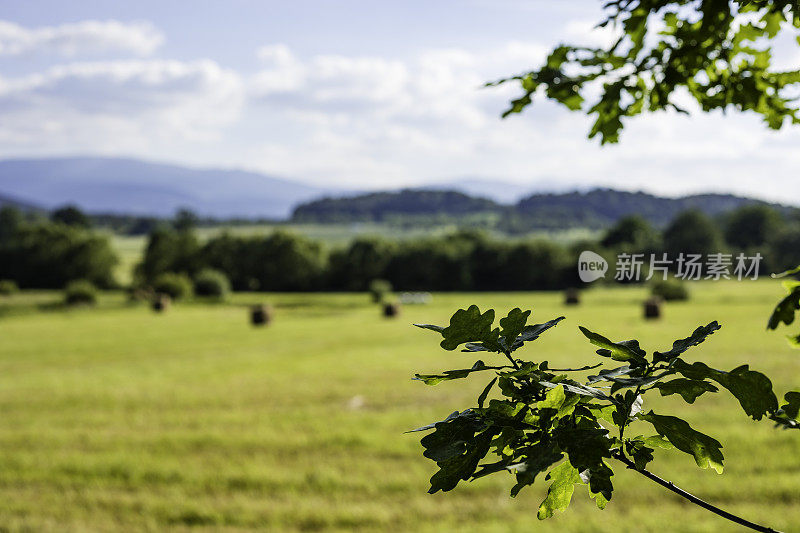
{"x":116,"y":418}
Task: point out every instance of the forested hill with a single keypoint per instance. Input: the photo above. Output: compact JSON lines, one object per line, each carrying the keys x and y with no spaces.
{"x":603,"y":207}
{"x":381,"y":206}
{"x":596,"y":208}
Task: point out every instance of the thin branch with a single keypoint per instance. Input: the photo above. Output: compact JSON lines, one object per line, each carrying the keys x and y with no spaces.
{"x":694,"y":499}
{"x":513,"y":362}
{"x":587,"y":367}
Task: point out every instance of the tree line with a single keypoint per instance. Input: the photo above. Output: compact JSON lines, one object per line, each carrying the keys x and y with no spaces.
{"x":465,"y":260}
{"x":39,"y":252}
{"x":48,"y":253}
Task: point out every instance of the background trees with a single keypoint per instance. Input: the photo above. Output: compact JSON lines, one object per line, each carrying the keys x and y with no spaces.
{"x":42,"y":254}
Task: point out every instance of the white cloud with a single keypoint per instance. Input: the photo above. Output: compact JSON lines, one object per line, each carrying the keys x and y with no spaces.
{"x":373,"y":121}
{"x":379,"y":122}
{"x":122,"y":103}
{"x":85,"y":37}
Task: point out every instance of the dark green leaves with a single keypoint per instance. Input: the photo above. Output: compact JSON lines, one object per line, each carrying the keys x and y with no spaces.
{"x":512,"y":325}
{"x":535,"y":460}
{"x":474,"y":330}
{"x":456,"y":448}
{"x":434,"y":379}
{"x":619,"y":351}
{"x":787,"y":416}
{"x":752,"y":389}
{"x":785,"y":310}
{"x":531,"y":333}
{"x":469,"y":325}
{"x":680,"y":346}
{"x":461,"y":466}
{"x":792,"y":406}
{"x":689,"y":389}
{"x":450,"y":436}
{"x":541,"y":420}
{"x":705,"y":450}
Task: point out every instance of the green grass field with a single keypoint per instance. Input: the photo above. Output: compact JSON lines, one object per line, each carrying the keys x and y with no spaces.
{"x":118,"y":419}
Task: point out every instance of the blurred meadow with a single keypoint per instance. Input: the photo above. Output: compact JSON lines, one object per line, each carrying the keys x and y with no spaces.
{"x":116,"y":418}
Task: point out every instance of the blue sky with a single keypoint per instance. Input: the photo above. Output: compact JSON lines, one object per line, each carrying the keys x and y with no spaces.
{"x":347,"y":93}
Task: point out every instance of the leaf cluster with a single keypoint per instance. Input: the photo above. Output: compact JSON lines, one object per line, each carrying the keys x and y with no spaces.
{"x":533,"y":421}
{"x":716,"y":51}
{"x":784,"y":312}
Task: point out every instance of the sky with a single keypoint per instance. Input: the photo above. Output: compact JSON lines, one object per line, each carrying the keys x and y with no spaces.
{"x":351,"y":94}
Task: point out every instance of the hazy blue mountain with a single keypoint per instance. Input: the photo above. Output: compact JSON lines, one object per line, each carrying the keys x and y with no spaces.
{"x":137,"y":187}
{"x":10,"y":201}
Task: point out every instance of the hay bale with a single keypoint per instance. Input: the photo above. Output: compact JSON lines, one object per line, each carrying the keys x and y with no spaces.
{"x":572,"y":296}
{"x":652,"y":308}
{"x":161,"y":302}
{"x":260,"y":315}
{"x":391,"y":310}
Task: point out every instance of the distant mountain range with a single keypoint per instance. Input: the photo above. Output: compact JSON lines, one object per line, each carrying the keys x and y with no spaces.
{"x":596,"y":208}
{"x":19,"y":204}
{"x":135,"y":187}
{"x":130,"y":186}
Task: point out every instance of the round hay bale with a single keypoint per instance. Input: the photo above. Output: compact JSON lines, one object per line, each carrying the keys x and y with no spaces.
{"x":652,"y":308}
{"x":572,"y":296}
{"x":391,"y":310}
{"x":161,"y":303}
{"x":260,"y":315}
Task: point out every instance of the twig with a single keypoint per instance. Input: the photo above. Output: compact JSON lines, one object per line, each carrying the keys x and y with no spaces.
{"x":694,"y":499}
{"x":587,"y":367}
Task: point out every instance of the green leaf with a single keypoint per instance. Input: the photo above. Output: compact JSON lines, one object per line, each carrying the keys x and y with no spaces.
{"x":604,"y":412}
{"x":485,"y":393}
{"x":600,"y":484}
{"x":536,"y":459}
{"x":752,"y":389}
{"x":435,"y":379}
{"x":586,"y":447}
{"x":657,"y":441}
{"x":461,"y":467}
{"x":619,"y":351}
{"x":641,"y":454}
{"x":510,"y":413}
{"x":512,"y":325}
{"x":468,"y":325}
{"x":792,"y":406}
{"x":706,"y":450}
{"x":785,"y":310}
{"x":559,"y":495}
{"x":437,"y":329}
{"x":689,"y":389}
{"x":608,"y":374}
{"x":451,"y":436}
{"x":554,"y":399}
{"x":678,"y":347}
{"x":531,"y":333}
{"x":451,"y":416}
{"x":577,"y":388}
